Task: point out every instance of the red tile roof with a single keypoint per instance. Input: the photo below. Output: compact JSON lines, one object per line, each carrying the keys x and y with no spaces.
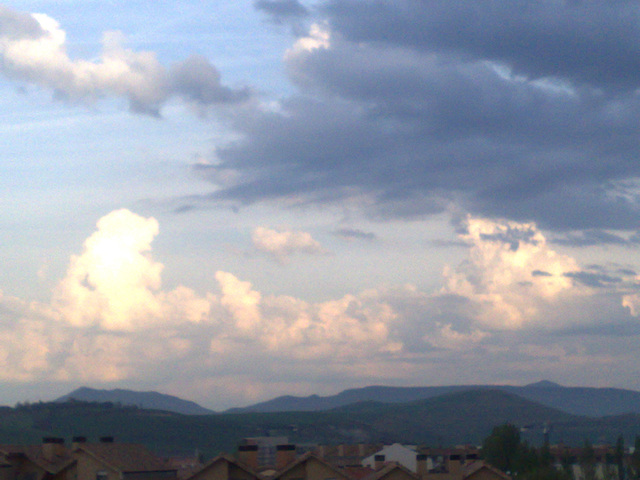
{"x":35,"y":454}
{"x":125,"y":457}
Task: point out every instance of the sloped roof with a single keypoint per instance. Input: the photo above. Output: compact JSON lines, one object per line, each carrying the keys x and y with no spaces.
{"x":35,"y":454}
{"x":357,"y":473}
{"x":478,"y":465}
{"x":125,"y":457}
{"x":229,"y":459}
{"x":387,"y":469}
{"x":305,"y":458}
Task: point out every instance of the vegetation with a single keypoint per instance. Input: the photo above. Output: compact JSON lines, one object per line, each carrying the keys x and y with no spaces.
{"x":462,"y":417}
{"x":505,"y":450}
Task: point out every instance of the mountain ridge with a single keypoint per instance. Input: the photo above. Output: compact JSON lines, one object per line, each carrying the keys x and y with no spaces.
{"x":148,"y":400}
{"x":589,"y":401}
{"x":456,"y":418}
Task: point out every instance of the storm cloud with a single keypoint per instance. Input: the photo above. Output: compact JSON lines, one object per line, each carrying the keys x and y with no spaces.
{"x":521,"y":110}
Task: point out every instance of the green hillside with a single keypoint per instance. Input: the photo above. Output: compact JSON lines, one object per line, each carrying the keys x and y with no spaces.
{"x":463,"y":417}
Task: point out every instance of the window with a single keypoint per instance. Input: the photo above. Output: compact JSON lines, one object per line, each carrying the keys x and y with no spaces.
{"x":101,"y":475}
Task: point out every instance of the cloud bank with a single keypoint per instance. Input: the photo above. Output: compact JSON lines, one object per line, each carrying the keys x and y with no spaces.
{"x":110,"y":320}
{"x":498,"y":108}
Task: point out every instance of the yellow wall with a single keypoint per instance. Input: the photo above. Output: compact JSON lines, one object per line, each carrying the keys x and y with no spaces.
{"x":88,"y":467}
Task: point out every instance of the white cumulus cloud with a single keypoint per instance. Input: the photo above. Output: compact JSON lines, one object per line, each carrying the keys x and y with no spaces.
{"x":33,"y":50}
{"x":510,"y":269}
{"x":281,"y":244}
{"x":115,"y":284}
{"x":111,"y":321}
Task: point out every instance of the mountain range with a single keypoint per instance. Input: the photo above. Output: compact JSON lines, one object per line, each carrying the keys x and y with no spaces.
{"x":460,"y":417}
{"x":587,"y":401}
{"x":590,"y":401}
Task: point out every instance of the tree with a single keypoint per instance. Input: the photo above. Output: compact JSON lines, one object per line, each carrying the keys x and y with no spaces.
{"x":635,"y":458}
{"x":619,"y":458}
{"x":502,"y":447}
{"x":588,"y":461}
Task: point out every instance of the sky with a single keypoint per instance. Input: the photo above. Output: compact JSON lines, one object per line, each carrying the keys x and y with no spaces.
{"x":230,"y":201}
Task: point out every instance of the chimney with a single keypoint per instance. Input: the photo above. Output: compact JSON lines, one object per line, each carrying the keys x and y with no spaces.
{"x":454,"y":464}
{"x":77,"y":441}
{"x":53,"y":447}
{"x":378,"y":461}
{"x":285,"y":454}
{"x":421,"y":465}
{"x":248,"y":454}
{"x":341,"y":450}
{"x":106,"y":439}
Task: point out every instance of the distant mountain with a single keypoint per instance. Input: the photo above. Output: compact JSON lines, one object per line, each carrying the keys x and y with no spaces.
{"x":455,"y":418}
{"x":148,"y":400}
{"x":594,"y":402}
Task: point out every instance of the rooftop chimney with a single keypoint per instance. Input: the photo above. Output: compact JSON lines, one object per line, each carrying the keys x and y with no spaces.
{"x":378,"y":461}
{"x":248,"y":454}
{"x":53,"y":447}
{"x":285,"y":454}
{"x":454,"y":463}
{"x":421,"y":465}
{"x":77,"y":441}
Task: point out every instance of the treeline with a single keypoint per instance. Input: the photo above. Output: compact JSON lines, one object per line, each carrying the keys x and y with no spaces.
{"x":505,"y":450}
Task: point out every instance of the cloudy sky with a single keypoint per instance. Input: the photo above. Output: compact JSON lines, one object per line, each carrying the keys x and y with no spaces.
{"x":234,"y":200}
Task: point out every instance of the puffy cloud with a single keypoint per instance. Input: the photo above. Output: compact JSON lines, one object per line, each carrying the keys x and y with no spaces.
{"x":33,"y":50}
{"x":510,"y":270}
{"x":114,"y":283}
{"x":284,"y":243}
{"x":352,"y":326}
{"x":110,"y":320}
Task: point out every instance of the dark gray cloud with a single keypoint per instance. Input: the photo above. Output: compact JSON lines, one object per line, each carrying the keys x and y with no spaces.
{"x":591,"y":279}
{"x":281,"y":10}
{"x":585,"y":41}
{"x":541,"y":273}
{"x":198,"y":81}
{"x":588,"y":238}
{"x":355,"y":234}
{"x":513,"y":237}
{"x":411,"y":106}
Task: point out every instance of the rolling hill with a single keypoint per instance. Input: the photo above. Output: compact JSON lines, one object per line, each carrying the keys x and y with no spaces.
{"x":455,"y":418}
{"x":147,"y":400}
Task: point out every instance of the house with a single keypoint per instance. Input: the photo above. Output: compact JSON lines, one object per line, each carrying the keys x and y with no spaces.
{"x":346,"y":455}
{"x":267,"y":449}
{"x":480,"y":470}
{"x":119,"y":461}
{"x":404,"y":455}
{"x":393,"y":471}
{"x":309,"y":467}
{"x":224,"y":467}
{"x":51,"y":460}
{"x":460,"y":463}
